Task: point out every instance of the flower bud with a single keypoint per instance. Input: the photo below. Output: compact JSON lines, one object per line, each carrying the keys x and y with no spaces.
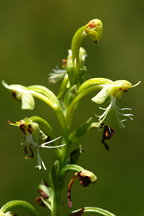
{"x":94,"y":29}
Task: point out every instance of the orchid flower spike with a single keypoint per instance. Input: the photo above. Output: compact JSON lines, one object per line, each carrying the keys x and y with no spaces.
{"x":113,"y":91}
{"x":34,"y":137}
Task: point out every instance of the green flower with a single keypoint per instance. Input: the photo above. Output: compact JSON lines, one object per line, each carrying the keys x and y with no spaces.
{"x":34,"y":137}
{"x":94,"y":29}
{"x":22,"y":94}
{"x":113,"y":91}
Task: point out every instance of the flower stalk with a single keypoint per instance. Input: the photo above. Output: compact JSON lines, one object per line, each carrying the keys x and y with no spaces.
{"x":39,"y":134}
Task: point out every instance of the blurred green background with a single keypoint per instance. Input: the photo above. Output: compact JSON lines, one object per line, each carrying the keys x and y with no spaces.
{"x":34,"y":37}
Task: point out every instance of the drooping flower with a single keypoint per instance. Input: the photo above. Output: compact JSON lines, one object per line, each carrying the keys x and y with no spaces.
{"x":85,"y":179}
{"x":34,"y":137}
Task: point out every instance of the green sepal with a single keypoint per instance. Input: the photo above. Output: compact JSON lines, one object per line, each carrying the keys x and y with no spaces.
{"x":99,"y":83}
{"x":27,"y":101}
{"x":101,"y":96}
{"x":21,"y":93}
{"x":43,"y":91}
{"x":94,"y":210}
{"x":15,"y":205}
{"x":26,"y":95}
{"x":83,"y":129}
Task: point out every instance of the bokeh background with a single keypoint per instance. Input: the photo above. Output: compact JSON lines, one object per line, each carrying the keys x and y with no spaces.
{"x":34,"y":37}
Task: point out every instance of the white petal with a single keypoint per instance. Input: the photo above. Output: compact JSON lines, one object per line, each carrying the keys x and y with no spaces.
{"x":43,"y":146}
{"x":40,"y":162}
{"x":51,"y":141}
{"x":101,"y":96}
{"x":125,"y":109}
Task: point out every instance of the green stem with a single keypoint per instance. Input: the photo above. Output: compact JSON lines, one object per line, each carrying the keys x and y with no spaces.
{"x":45,"y":99}
{"x":76,"y":100}
{"x":19,"y":204}
{"x":94,"y":82}
{"x":45,"y":91}
{"x":86,"y":88}
{"x":57,"y":202}
{"x":71,"y":167}
{"x":75,"y":46}
{"x":58,"y":180}
{"x":44,"y":125}
{"x":76,"y":42}
{"x":56,"y":107}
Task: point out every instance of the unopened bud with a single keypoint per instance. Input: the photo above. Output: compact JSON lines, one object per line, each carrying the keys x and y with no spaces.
{"x":94,"y":29}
